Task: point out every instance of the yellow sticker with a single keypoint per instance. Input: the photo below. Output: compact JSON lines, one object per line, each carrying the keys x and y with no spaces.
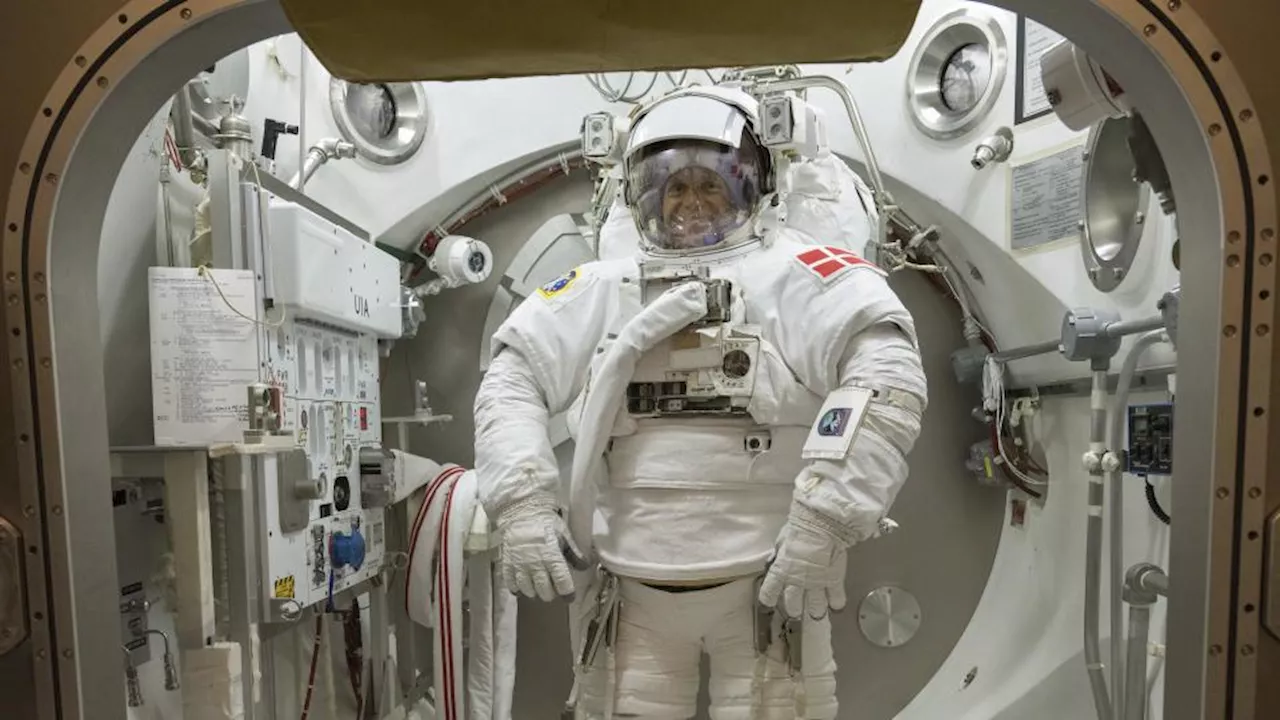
{"x":986,"y":462}
{"x":559,"y":285}
{"x":284,"y":587}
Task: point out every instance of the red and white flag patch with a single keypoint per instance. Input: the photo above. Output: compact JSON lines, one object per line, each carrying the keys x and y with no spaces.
{"x":828,"y":263}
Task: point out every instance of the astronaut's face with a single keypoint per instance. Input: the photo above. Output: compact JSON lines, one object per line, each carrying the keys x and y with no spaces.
{"x":695,"y":202}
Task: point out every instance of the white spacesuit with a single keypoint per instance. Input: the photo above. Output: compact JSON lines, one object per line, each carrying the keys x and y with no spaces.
{"x":742,"y":402}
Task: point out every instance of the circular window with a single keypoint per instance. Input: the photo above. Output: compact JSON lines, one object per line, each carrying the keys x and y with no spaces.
{"x":956,"y":74}
{"x":1114,"y":205}
{"x":387,"y":122}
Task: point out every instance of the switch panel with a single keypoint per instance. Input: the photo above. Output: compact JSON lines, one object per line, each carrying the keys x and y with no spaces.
{"x":1150,"y":439}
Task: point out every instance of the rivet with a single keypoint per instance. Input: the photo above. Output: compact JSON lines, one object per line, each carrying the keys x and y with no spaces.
{"x":1263,"y":329}
{"x":1268,"y":234}
{"x":13,"y":227}
{"x":1215,"y":56}
{"x":6,"y":633}
{"x":13,"y":300}
{"x":57,"y":510}
{"x":1139,"y":218}
{"x":1174,"y":5}
{"x":1263,"y":179}
{"x":40,"y":298}
{"x":68,"y":654}
{"x":19,"y":364}
{"x":40,"y":654}
{"x":1233,"y":236}
{"x":1255,"y":493}
{"x":28,"y":511}
{"x":1259,"y":412}
{"x":1246,"y":115}
{"x":11,"y":276}
{"x":39,"y":277}
{"x":1222,"y":493}
{"x":25,"y":168}
{"x":1215,"y":650}
{"x":1233,"y":260}
{"x":186,"y":13}
{"x":23,"y":438}
{"x":122,"y":18}
{"x":1246,"y":650}
{"x":1149,"y":30}
{"x":81,"y":61}
{"x":1253,"y":535}
{"x":46,"y":363}
{"x":47,"y":112}
{"x":1214,"y":129}
{"x":103,"y":82}
{"x":1264,"y":259}
{"x":51,"y":178}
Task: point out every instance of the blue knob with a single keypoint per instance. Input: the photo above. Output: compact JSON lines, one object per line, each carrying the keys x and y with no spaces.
{"x":347,"y":549}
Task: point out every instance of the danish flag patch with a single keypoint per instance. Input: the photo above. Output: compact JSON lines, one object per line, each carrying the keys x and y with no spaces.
{"x":828,"y":263}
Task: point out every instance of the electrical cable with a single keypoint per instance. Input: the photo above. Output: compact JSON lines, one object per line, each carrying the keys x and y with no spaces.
{"x":207,"y":272}
{"x":315,"y":659}
{"x":1154,"y":503}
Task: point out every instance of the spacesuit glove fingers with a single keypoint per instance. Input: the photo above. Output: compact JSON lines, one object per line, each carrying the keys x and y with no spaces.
{"x":835,"y":587}
{"x":771,"y":587}
{"x":524,"y":583}
{"x":542,"y":584}
{"x":793,"y":600}
{"x":816,"y":604}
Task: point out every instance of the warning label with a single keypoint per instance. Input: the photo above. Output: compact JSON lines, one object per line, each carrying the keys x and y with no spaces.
{"x":284,"y":587}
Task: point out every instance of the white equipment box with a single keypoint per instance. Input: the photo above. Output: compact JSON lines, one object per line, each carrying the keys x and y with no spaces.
{"x":334,"y":296}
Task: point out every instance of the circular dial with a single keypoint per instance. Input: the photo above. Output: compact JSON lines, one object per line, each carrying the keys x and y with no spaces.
{"x":965,"y":78}
{"x":372,"y":108}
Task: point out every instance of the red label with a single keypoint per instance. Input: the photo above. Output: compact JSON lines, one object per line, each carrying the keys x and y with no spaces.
{"x":364,"y":418}
{"x":828,"y":262}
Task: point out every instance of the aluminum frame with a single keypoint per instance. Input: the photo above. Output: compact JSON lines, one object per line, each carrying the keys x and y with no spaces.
{"x":948,"y":35}
{"x":56,"y":435}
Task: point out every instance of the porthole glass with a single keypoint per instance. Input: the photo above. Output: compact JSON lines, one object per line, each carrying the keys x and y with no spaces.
{"x":387,"y":122}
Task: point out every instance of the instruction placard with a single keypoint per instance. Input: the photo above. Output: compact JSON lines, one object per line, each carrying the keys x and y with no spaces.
{"x":1033,"y":40}
{"x":204,"y":354}
{"x":1047,"y":203}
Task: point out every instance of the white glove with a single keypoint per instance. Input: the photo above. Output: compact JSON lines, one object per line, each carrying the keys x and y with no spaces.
{"x":533,"y":539}
{"x":808,"y":569}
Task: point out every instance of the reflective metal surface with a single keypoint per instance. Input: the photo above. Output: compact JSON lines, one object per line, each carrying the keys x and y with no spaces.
{"x":956,"y":73}
{"x":1271,"y":577}
{"x":387,"y":122}
{"x":889,"y":617}
{"x":1114,"y":205}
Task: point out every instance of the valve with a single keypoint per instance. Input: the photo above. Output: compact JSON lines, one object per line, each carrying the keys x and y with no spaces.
{"x":347,"y":549}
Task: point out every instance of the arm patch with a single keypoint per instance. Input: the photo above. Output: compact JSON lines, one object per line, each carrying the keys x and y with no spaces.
{"x":830,"y":263}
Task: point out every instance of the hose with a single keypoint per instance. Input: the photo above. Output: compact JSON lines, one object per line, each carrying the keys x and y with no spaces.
{"x":1115,"y":479}
{"x":315,"y":660}
{"x":1154,"y":504}
{"x":1093,"y":550}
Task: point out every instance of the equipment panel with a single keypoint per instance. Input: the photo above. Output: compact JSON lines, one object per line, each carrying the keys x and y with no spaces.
{"x":1150,"y":439}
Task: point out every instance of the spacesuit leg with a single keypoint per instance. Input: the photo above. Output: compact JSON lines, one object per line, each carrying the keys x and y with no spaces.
{"x":656,"y":656}
{"x":745,"y":688}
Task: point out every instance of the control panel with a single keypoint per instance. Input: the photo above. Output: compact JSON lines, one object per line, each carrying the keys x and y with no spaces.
{"x":1150,"y":449}
{"x":698,"y":371}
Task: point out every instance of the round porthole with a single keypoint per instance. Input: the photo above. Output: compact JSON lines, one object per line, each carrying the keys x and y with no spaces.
{"x":956,"y":74}
{"x":1114,"y":205}
{"x":387,"y":122}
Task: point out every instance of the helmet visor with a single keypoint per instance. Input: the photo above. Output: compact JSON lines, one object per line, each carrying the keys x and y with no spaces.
{"x":691,"y":194}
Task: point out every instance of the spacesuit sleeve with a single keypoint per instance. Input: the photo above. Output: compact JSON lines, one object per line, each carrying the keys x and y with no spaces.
{"x":856,"y":492}
{"x":845,"y":332}
{"x":542,"y":354}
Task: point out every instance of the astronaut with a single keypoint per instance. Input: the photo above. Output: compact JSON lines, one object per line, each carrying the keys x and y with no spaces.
{"x":742,"y":400}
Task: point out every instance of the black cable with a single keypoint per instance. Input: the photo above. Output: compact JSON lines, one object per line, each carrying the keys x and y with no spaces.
{"x":1154,"y":504}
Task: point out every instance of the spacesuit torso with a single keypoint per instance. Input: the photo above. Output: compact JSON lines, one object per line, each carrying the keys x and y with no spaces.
{"x":702,"y":456}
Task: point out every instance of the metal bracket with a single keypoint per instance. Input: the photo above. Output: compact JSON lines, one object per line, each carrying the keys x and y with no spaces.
{"x":13,"y":592}
{"x":1271,"y":576}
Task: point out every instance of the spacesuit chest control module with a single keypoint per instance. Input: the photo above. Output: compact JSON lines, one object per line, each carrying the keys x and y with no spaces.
{"x":742,"y":399}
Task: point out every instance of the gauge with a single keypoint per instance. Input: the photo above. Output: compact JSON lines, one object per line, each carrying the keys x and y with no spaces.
{"x":965,"y":78}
